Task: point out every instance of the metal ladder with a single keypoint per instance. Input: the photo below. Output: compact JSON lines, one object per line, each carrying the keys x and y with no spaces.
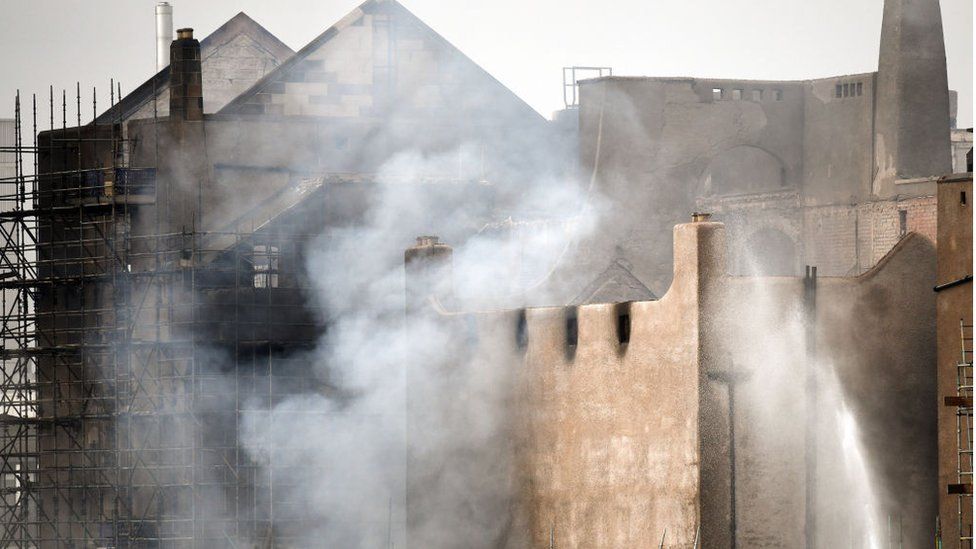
{"x":964,"y":436}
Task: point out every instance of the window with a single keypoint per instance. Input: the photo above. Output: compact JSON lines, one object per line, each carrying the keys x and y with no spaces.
{"x":902,"y":222}
{"x":778,"y":95}
{"x":757,"y":95}
{"x":737,"y":94}
{"x":521,"y":331}
{"x":962,"y":197}
{"x":717,"y":94}
{"x":623,"y":323}
{"x":265,"y":260}
{"x":572,"y":327}
{"x":849,"y":89}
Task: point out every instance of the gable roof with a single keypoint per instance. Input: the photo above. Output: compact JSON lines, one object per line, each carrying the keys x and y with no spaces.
{"x":159,"y":82}
{"x":616,"y":284}
{"x":236,"y":105}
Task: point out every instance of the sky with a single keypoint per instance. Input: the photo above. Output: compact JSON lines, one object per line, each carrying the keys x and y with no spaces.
{"x":524,"y":44}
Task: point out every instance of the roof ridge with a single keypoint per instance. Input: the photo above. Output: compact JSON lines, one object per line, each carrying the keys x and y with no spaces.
{"x":345,"y":22}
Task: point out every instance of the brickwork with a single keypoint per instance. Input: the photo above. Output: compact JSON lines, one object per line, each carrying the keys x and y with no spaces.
{"x":380,"y":58}
{"x":840,"y":239}
{"x":849,"y":240}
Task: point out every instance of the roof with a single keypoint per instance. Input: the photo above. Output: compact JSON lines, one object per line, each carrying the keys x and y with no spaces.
{"x":616,"y":284}
{"x":235,"y":26}
{"x":352,"y":18}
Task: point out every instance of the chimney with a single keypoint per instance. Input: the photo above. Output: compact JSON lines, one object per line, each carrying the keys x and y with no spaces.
{"x":164,"y":34}
{"x":428,"y":269}
{"x":911,"y":118}
{"x":185,"y":78}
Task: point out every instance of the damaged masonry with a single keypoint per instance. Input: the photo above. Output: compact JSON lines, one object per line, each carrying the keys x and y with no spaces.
{"x":228,"y":323}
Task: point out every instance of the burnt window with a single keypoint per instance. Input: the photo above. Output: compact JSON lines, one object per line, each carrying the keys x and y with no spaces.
{"x":717,"y":93}
{"x":778,"y":95}
{"x":572,"y":328}
{"x":265,"y":261}
{"x":623,"y":323}
{"x":902,"y":222}
{"x":757,"y":95}
{"x":737,"y":94}
{"x":521,"y":331}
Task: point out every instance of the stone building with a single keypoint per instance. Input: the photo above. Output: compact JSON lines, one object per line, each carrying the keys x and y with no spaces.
{"x":690,"y":420}
{"x":166,"y":253}
{"x":233,"y":57}
{"x":828,"y":172}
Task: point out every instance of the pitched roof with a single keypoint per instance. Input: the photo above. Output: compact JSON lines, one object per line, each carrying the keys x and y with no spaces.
{"x":616,"y":284}
{"x":235,"y":26}
{"x":352,"y":18}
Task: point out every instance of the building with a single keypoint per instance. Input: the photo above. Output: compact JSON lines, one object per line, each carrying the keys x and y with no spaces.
{"x":827,"y":172}
{"x":163,"y":253}
{"x":161,"y":250}
{"x":704,"y":418}
{"x":954,"y":301}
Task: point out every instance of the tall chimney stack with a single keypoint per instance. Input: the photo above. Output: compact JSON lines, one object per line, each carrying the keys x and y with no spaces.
{"x":164,"y":34}
{"x":911,"y":119}
{"x":185,"y":78}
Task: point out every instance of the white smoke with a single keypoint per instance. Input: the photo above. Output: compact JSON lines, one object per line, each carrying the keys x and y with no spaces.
{"x":342,"y":456}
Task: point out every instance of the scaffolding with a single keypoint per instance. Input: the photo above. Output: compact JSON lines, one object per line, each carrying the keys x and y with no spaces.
{"x":131,"y":351}
{"x":963,"y":403}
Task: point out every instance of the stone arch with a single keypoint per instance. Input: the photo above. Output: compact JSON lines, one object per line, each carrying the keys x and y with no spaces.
{"x":744,"y":169}
{"x":767,"y":252}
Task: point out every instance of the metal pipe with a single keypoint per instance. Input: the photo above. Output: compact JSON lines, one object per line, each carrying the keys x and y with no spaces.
{"x":947,"y":285}
{"x":164,"y":34}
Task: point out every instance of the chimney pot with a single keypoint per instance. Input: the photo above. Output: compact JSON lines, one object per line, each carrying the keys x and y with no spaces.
{"x":700,"y":217}
{"x":184,"y":34}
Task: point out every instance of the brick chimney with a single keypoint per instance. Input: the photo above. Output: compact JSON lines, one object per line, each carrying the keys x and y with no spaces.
{"x":428,"y":269}
{"x":185,"y":77}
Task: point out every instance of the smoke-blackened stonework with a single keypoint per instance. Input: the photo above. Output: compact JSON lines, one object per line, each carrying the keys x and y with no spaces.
{"x":799,"y":151}
{"x":362,"y":295}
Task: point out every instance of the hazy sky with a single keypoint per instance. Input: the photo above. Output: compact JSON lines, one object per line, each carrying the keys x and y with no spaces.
{"x":523,"y":43}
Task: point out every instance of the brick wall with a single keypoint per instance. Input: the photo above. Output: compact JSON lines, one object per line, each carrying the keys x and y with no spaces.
{"x":848,"y":240}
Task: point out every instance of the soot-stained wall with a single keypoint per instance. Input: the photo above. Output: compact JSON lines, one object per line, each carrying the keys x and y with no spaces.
{"x":660,"y":148}
{"x":615,"y":441}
